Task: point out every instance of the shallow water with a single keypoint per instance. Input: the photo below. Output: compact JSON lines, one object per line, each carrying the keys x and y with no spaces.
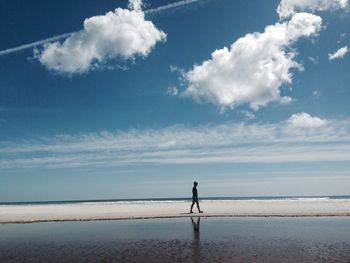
{"x":311,"y":239}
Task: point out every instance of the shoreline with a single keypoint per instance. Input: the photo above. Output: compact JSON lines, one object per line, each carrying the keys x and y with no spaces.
{"x":178,"y":216}
{"x":17,"y":214}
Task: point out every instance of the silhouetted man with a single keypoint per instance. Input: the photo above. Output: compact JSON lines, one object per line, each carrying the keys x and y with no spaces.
{"x":195,"y":197}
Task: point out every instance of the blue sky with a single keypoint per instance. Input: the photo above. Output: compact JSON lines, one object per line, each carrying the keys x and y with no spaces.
{"x":249,"y":98}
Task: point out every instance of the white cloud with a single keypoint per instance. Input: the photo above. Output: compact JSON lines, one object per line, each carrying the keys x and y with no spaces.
{"x":135,"y":5}
{"x":316,"y":93}
{"x":286,"y":100}
{"x":167,"y":144}
{"x":313,"y":60}
{"x":340,"y":53}
{"x":123,"y":33}
{"x":342,"y":36}
{"x":173,"y":91}
{"x":225,"y":143}
{"x":305,"y":120}
{"x":254,"y":68}
{"x":287,"y":8}
{"x":249,"y":115}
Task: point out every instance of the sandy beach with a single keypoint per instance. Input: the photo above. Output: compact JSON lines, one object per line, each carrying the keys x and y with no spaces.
{"x":172,"y":209}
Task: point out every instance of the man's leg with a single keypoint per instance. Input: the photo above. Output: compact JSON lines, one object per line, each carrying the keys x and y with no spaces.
{"x":192,"y":206}
{"x":199,"y":210}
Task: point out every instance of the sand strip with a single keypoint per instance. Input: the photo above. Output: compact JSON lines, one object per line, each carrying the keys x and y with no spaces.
{"x":172,"y":209}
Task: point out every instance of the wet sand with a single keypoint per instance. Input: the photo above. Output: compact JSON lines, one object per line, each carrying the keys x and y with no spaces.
{"x":171,"y":209}
{"x":311,"y":239}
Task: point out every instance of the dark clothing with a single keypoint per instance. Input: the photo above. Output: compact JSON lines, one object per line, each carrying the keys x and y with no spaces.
{"x":194,"y":193}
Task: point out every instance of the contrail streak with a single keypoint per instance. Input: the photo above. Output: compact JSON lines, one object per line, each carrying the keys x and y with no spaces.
{"x":36,"y":43}
{"x":59,"y":37}
{"x":170,"y":6}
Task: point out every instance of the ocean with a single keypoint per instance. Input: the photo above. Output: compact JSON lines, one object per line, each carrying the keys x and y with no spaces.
{"x":169,"y":200}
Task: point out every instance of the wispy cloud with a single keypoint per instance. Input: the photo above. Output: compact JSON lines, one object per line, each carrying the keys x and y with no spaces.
{"x":340,"y":53}
{"x":226,"y":143}
{"x":65,"y":35}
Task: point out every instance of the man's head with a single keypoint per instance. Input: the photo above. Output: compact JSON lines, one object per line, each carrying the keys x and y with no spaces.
{"x":195,"y":183}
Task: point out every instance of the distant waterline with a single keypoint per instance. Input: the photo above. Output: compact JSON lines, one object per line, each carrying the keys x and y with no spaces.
{"x":151,"y":200}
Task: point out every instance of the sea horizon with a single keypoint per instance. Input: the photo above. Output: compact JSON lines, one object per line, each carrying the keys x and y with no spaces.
{"x":177,"y":199}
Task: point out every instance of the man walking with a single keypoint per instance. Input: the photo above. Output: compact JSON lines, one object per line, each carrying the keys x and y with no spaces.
{"x":195,"y":197}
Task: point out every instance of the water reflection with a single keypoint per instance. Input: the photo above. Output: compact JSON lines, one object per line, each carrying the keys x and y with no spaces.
{"x":196,"y":238}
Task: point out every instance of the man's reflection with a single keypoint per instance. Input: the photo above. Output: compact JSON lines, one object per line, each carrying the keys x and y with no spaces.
{"x":196,"y":238}
{"x":196,"y":226}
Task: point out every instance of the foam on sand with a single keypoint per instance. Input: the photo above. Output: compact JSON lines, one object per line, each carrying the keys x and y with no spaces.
{"x":171,"y":209}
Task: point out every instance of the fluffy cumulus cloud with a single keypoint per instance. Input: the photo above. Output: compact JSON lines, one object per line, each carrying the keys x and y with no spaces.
{"x":254,"y":68}
{"x":339,"y":53}
{"x":287,"y":8}
{"x":305,"y":120}
{"x":123,"y":33}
